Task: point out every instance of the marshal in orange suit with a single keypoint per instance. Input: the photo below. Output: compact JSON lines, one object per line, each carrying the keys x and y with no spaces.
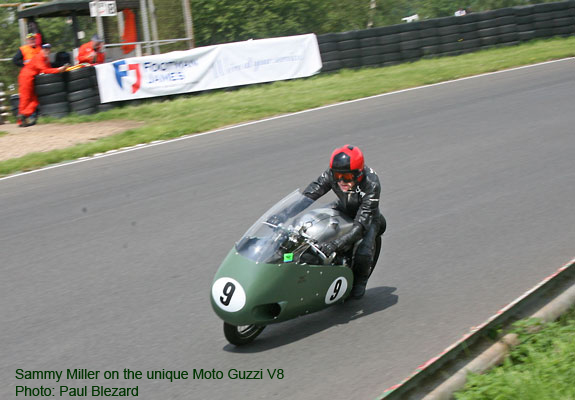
{"x":29,"y":50}
{"x":92,"y":52}
{"x":28,"y":100}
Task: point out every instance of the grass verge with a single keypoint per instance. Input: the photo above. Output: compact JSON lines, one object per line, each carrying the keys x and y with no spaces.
{"x":2,"y":133}
{"x":200,"y":113}
{"x":542,"y":367}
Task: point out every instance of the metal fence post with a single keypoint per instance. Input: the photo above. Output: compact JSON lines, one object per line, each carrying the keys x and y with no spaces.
{"x":145,"y":25}
{"x":99,"y":24}
{"x":152,"y":12}
{"x":189,"y":23}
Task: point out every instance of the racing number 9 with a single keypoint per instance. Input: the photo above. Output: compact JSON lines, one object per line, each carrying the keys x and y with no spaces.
{"x":228,"y":294}
{"x":228,"y":291}
{"x":336,"y":289}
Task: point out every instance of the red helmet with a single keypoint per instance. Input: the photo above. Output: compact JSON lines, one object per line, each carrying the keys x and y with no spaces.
{"x":347,"y":163}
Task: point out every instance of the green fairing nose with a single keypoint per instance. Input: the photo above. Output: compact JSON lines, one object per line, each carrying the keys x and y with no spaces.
{"x":245,"y":292}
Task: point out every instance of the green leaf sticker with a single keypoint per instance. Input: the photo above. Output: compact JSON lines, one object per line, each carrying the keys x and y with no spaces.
{"x":288,"y":257}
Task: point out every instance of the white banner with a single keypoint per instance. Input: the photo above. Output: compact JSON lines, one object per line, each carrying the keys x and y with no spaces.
{"x":212,"y":67}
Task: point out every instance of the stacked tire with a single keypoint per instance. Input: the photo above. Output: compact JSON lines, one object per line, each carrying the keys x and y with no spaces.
{"x":409,"y":42}
{"x":429,"y":38}
{"x":15,"y":103}
{"x":348,"y":48}
{"x":83,"y":91}
{"x":371,"y":49}
{"x":507,"y":31}
{"x":3,"y":108}
{"x":329,"y":52}
{"x":525,"y":23}
{"x":544,"y":16}
{"x":449,"y":36}
{"x":52,"y":96}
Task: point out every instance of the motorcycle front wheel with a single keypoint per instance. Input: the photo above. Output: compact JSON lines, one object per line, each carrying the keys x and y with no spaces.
{"x":240,"y":335}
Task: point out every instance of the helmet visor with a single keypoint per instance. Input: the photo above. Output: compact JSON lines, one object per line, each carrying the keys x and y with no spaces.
{"x":344,"y":176}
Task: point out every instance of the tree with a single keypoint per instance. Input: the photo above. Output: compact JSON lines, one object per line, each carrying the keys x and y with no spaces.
{"x":10,"y":39}
{"x":438,"y":8}
{"x":390,"y":12}
{"x":224,"y":21}
{"x":344,"y":15}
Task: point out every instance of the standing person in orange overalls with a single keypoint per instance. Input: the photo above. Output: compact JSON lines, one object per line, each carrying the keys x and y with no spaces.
{"x":92,"y":52}
{"x":28,"y":100}
{"x":26,"y":52}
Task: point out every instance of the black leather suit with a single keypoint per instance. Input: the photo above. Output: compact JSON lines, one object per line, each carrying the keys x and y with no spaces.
{"x":361,"y":204}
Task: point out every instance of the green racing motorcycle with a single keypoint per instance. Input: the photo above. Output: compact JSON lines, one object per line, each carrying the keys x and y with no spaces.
{"x":277,"y":272}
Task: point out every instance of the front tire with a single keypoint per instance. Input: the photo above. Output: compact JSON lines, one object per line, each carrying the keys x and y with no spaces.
{"x":240,"y":335}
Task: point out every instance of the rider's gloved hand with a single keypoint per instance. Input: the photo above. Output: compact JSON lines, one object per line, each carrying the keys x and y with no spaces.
{"x":328,"y":248}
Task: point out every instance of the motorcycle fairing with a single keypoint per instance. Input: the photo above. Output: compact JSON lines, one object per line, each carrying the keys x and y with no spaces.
{"x":248,"y":292}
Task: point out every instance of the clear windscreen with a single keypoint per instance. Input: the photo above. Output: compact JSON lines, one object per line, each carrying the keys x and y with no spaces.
{"x":263,"y":242}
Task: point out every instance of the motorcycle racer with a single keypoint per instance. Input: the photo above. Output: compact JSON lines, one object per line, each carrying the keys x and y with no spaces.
{"x":358,"y":189}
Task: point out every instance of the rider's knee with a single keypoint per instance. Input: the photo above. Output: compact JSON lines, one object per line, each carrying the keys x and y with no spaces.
{"x":382,"y":225}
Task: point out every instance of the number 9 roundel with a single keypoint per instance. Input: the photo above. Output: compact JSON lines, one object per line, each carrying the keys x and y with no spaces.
{"x":336,"y":290}
{"x":228,"y":294}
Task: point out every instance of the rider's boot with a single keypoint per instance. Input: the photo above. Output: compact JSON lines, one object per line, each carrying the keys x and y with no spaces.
{"x":358,"y":289}
{"x":361,"y":268}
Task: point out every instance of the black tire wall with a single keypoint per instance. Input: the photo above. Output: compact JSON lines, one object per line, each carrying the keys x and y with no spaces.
{"x":52,"y":96}
{"x":74,"y":91}
{"x":390,"y":45}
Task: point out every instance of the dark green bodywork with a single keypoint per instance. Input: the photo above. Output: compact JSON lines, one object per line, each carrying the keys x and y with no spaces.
{"x":297,"y":289}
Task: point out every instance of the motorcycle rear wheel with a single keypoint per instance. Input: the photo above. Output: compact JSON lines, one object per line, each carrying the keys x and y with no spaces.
{"x":241,"y":335}
{"x":376,"y":255}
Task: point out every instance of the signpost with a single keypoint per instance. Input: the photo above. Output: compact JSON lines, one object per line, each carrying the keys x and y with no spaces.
{"x":103,"y":9}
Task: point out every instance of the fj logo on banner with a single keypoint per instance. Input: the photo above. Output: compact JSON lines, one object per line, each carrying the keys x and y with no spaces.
{"x":122,"y":69}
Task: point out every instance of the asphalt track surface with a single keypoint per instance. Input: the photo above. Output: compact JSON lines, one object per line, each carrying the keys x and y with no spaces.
{"x":107,"y":264}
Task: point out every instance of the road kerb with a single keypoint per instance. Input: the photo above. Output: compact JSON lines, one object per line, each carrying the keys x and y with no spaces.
{"x":497,"y":353}
{"x":426,"y":379}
